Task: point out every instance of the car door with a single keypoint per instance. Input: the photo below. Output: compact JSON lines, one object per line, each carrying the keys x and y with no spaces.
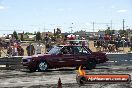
{"x":81,"y":55}
{"x":62,"y":59}
{"x":67,"y":58}
{"x":55,"y":58}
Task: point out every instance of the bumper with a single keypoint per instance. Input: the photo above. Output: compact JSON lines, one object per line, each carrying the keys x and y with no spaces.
{"x":28,"y":65}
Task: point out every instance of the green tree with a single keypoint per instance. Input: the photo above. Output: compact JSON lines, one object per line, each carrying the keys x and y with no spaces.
{"x":57,"y":32}
{"x":38,"y":36}
{"x":109,"y":32}
{"x":34,"y":32}
{"x":123,"y":33}
{"x":28,"y":33}
{"x":15,"y":35}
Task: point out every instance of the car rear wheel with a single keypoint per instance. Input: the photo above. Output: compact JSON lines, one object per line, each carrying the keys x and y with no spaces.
{"x":91,"y":65}
{"x":43,"y":66}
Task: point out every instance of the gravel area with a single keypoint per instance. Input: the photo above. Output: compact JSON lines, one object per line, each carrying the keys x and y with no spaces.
{"x":25,"y":79}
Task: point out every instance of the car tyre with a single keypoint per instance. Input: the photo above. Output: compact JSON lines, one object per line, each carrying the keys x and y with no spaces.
{"x":43,"y":66}
{"x":81,"y":80}
{"x":91,"y":65}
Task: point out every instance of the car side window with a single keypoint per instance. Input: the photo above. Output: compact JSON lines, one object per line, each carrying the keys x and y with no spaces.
{"x":75,"y":50}
{"x":65,"y":50}
{"x":82,"y":50}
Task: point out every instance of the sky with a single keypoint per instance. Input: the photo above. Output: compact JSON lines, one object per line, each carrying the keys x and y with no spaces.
{"x":45,"y":15}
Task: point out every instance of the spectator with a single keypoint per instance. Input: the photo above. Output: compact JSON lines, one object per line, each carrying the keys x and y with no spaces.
{"x":20,"y":51}
{"x":9,"y":51}
{"x":0,"y":49}
{"x":38,"y":48}
{"x":83,"y":42}
{"x":30,"y":49}
{"x":14,"y":50}
{"x":131,"y":43}
{"x":47,"y":42}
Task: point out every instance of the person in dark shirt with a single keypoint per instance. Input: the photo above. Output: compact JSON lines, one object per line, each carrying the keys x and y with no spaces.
{"x":0,"y":49}
{"x":131,"y":43}
{"x":20,"y":51}
{"x":30,"y":49}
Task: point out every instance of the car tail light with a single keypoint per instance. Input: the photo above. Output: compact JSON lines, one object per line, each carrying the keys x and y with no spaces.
{"x":26,"y":60}
{"x":29,"y":59}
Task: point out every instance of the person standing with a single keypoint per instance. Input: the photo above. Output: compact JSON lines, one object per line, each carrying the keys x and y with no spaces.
{"x":38,"y":48}
{"x":0,"y":46}
{"x":15,"y":52}
{"x":131,"y":43}
{"x":30,"y":49}
{"x":9,"y":50}
{"x":46,"y":39}
{"x":0,"y":49}
{"x":20,"y":50}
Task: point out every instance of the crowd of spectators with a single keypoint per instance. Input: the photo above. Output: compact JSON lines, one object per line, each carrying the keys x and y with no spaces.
{"x":112,"y":43}
{"x":14,"y":47}
{"x":106,"y":43}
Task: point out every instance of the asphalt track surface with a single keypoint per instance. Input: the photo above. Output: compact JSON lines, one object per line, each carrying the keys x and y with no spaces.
{"x":25,"y":79}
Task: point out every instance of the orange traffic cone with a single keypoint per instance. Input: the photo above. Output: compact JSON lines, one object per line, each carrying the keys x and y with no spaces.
{"x":59,"y":83}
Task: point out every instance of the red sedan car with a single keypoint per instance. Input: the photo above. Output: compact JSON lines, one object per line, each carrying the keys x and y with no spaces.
{"x":64,"y":56}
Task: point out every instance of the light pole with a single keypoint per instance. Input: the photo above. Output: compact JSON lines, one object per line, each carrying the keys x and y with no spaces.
{"x":71,"y":28}
{"x":123,"y":24}
{"x":123,"y":42}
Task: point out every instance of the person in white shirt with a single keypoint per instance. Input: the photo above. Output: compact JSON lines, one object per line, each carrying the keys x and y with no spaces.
{"x":38,"y":48}
{"x":14,"y":50}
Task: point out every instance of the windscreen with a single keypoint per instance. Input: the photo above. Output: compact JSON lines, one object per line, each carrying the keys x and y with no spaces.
{"x":55,"y":50}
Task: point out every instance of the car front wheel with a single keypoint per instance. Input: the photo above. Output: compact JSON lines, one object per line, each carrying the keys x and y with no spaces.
{"x":42,"y":66}
{"x":91,"y":65}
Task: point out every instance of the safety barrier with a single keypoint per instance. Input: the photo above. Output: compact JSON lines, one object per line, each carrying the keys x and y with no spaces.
{"x":11,"y":63}
{"x":119,"y":58}
{"x":114,"y":58}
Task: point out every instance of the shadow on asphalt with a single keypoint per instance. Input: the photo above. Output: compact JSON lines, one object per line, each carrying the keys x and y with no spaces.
{"x":102,"y":68}
{"x":52,"y":70}
{"x":64,"y":69}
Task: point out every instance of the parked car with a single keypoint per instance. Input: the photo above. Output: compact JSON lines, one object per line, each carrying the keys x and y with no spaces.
{"x":64,"y":56}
